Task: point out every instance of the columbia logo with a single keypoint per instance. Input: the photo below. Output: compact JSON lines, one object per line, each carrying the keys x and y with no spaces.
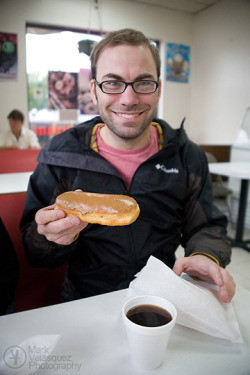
{"x":165,"y":170}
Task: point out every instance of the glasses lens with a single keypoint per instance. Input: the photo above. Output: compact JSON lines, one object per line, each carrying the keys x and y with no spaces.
{"x":118,"y":87}
{"x":145,"y":87}
{"x":113,"y":87}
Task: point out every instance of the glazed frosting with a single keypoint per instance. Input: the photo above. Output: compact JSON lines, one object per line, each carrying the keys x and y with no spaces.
{"x":99,"y":203}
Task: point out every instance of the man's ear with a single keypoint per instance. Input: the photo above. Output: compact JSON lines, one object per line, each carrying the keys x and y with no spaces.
{"x":93,"y":91}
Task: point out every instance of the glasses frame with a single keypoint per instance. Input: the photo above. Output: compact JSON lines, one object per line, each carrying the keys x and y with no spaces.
{"x":126,"y":85}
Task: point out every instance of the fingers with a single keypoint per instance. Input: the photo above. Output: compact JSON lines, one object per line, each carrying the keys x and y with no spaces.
{"x":179,"y":266}
{"x":63,"y":232}
{"x":199,"y":266}
{"x":206,"y":269}
{"x":56,"y":227}
{"x":227,"y":290}
{"x":48,"y":214}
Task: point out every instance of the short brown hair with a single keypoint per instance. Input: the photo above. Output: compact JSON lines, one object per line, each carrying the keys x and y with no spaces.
{"x":16,"y":115}
{"x":124,"y":36}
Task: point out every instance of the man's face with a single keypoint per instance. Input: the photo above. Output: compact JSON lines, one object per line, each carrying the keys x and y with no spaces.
{"x":127,"y":115}
{"x":15,"y":125}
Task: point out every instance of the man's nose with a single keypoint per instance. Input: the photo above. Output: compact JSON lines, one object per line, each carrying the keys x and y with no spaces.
{"x":129,"y":96}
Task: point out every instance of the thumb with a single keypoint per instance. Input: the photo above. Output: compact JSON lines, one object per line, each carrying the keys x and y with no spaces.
{"x":178,"y":266}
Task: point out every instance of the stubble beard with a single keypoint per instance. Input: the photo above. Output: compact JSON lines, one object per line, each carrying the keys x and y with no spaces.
{"x":124,"y":132}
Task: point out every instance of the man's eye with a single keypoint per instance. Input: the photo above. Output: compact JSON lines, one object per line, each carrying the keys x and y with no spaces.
{"x":113,"y":84}
{"x":144,"y":83}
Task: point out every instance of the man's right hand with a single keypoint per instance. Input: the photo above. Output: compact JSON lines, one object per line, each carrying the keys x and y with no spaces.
{"x":57,"y":227}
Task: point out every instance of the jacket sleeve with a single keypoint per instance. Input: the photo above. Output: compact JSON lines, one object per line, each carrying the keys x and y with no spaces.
{"x":43,"y":188}
{"x":205,"y":225}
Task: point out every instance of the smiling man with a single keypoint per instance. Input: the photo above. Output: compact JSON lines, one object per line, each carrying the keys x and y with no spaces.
{"x":127,"y":115}
{"x":126,"y":150}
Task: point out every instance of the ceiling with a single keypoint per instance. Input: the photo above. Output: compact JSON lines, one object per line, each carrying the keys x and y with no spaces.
{"x":187,"y":6}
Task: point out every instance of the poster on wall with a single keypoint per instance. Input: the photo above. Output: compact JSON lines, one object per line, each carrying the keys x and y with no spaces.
{"x":8,"y":56}
{"x":85,"y":103}
{"x":178,"y":63}
{"x":63,"y":88}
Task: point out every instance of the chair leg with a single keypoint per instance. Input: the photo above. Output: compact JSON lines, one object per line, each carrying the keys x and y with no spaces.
{"x":230,"y":217}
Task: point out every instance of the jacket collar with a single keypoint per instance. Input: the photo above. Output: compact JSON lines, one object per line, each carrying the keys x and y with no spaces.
{"x":67,"y":149}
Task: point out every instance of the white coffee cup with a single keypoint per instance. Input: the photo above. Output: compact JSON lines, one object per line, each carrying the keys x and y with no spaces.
{"x":148,"y":344}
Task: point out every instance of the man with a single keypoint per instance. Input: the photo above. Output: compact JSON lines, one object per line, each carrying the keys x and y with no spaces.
{"x":18,"y":137}
{"x":126,"y":151}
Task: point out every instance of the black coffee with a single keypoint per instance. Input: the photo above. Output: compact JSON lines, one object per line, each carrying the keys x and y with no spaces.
{"x":149,"y":315}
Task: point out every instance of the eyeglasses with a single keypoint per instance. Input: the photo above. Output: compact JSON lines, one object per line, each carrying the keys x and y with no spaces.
{"x":118,"y":87}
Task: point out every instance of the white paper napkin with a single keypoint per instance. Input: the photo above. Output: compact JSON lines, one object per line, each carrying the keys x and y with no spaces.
{"x":198,"y":305}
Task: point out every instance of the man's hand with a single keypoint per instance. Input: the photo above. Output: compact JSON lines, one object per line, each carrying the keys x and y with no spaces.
{"x":56,"y":227}
{"x":206,"y":269}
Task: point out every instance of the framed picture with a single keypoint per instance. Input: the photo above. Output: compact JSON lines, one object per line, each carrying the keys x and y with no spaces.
{"x":63,"y":87}
{"x":8,"y":56}
{"x":178,"y":63}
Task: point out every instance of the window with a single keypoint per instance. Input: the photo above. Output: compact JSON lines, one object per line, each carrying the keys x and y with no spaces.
{"x":58,"y":74}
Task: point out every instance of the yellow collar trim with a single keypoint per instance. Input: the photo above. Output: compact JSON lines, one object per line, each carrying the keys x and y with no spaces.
{"x":93,"y":143}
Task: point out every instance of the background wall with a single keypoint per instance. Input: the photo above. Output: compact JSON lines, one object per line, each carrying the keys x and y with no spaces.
{"x":218,"y":92}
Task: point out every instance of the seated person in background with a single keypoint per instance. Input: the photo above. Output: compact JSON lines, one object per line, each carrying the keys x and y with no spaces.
{"x":9,"y":271}
{"x":18,"y":136}
{"x":126,"y":150}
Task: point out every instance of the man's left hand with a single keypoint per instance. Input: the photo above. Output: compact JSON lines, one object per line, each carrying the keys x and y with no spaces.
{"x":206,"y":269}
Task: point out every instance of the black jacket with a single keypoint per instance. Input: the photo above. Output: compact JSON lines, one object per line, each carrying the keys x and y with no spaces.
{"x":172,"y":188}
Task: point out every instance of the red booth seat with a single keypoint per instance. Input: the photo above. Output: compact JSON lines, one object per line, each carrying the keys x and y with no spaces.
{"x":12,"y":161}
{"x":37,"y":287}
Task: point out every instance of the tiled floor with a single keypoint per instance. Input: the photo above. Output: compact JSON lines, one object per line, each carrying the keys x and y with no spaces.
{"x":240,"y":261}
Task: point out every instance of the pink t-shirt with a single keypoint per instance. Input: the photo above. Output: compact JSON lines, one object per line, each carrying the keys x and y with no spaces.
{"x":127,"y":161}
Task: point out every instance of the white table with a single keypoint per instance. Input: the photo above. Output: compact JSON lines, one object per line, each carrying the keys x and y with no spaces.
{"x":12,"y":183}
{"x":239,"y":170}
{"x":93,"y":338}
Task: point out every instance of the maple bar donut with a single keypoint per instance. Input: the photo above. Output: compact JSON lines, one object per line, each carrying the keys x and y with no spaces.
{"x":104,"y":209}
